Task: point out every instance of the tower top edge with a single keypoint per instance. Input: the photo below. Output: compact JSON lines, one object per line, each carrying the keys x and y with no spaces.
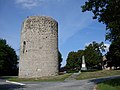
{"x":41,"y":17}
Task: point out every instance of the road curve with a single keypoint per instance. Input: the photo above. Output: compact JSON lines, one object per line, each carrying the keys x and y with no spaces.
{"x":87,"y":84}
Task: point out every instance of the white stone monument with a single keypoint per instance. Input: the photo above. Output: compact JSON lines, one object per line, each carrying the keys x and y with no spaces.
{"x":83,"y":64}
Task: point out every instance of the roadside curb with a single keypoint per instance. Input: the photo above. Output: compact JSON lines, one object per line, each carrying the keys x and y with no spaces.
{"x":15,"y":83}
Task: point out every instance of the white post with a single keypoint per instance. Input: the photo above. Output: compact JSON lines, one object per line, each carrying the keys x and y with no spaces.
{"x":83,"y":64}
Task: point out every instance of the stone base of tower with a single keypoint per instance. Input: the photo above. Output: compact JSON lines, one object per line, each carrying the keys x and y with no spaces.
{"x":23,"y":75}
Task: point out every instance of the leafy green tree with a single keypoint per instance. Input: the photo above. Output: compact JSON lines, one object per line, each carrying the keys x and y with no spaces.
{"x":74,"y":61}
{"x":80,"y":53}
{"x":71,"y":60}
{"x":8,"y":59}
{"x":113,"y":55}
{"x":93,"y":57}
{"x":59,"y":60}
{"x":93,"y":54}
{"x":108,"y":12}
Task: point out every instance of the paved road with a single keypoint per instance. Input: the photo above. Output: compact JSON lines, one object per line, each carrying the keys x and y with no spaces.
{"x":65,"y":85}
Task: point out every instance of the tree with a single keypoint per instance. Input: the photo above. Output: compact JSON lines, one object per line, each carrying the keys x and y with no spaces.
{"x":74,"y":61}
{"x":93,"y":54}
{"x":113,"y":55}
{"x":8,"y":59}
{"x":80,"y":53}
{"x":108,"y":12}
{"x":93,"y":57}
{"x":71,"y":60}
{"x":59,"y":59}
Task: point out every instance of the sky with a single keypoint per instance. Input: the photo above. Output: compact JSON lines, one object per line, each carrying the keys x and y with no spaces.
{"x":75,"y":28}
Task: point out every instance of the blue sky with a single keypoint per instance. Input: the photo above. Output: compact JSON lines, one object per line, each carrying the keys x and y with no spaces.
{"x":76,"y":29}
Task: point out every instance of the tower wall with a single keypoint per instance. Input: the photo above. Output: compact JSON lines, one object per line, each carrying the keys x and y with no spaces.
{"x":39,"y":47}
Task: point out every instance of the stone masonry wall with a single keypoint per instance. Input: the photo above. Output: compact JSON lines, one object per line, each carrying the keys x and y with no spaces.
{"x":39,"y":47}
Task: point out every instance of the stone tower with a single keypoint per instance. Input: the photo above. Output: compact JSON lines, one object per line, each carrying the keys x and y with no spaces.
{"x":39,"y":47}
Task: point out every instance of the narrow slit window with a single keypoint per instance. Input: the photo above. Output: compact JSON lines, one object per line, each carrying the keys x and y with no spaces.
{"x":24,"y":44}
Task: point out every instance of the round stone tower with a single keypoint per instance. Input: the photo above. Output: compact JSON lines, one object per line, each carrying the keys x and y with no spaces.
{"x":39,"y":47}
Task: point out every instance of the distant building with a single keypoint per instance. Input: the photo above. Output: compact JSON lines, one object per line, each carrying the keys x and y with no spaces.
{"x":105,"y":64}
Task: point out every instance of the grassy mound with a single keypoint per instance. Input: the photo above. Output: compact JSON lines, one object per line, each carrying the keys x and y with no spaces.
{"x":42,"y":79}
{"x":97,"y":74}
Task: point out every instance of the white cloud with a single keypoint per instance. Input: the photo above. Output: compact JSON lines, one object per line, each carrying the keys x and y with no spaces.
{"x":32,"y":3}
{"x":28,"y":3}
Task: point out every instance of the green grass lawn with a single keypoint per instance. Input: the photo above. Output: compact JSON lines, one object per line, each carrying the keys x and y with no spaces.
{"x":43,"y":79}
{"x":97,"y":74}
{"x":113,"y":84}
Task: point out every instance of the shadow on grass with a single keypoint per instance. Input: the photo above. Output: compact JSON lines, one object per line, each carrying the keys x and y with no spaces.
{"x":7,"y":77}
{"x":113,"y":82}
{"x":6,"y":86}
{"x":100,"y":80}
{"x":107,"y":83}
